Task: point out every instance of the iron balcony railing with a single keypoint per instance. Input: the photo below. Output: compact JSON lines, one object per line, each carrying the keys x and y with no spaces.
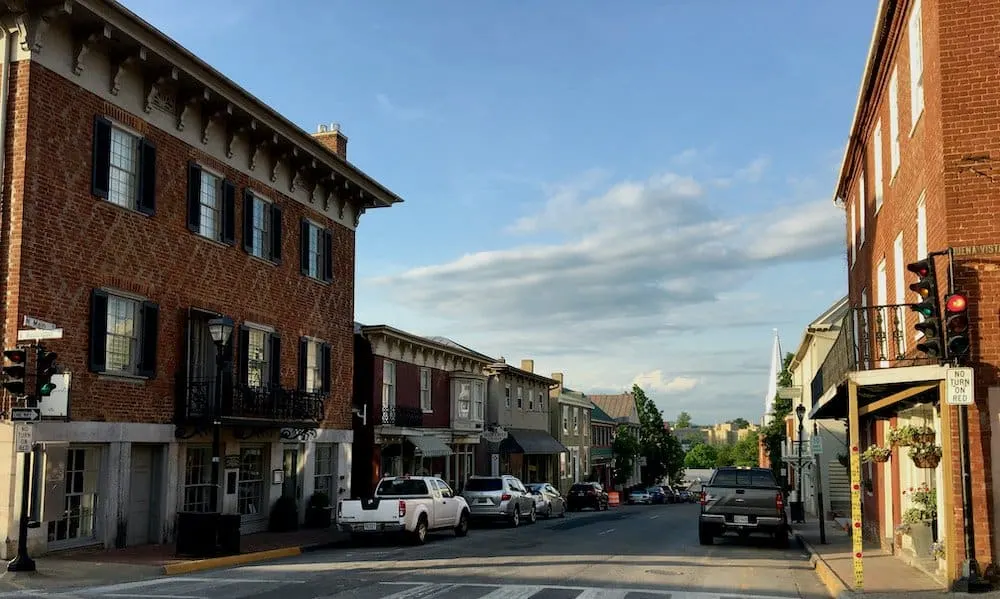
{"x":870,"y":337}
{"x":402,"y":416}
{"x":196,"y":401}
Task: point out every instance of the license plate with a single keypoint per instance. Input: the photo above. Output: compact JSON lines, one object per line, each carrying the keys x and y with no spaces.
{"x":483,"y":501}
{"x":741,"y":520}
{"x":371,"y":526}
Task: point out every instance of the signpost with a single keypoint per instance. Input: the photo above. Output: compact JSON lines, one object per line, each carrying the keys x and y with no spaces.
{"x":817,"y":444}
{"x":25,"y":414}
{"x":959,"y":383}
{"x":24,"y":437}
{"x":36,"y":323}
{"x":39,"y":334}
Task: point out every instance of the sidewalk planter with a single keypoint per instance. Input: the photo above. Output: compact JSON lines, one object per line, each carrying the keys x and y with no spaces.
{"x":925,"y":455}
{"x":319,"y":512}
{"x":922,"y":539}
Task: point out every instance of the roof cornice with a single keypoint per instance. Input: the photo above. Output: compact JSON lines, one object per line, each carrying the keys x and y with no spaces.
{"x":394,"y":333}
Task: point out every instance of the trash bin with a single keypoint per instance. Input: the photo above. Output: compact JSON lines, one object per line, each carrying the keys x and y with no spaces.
{"x":229,"y":534}
{"x":197,"y":534}
{"x":798,"y":512}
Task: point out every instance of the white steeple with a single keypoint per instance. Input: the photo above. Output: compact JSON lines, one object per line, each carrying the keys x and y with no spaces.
{"x":772,"y":381}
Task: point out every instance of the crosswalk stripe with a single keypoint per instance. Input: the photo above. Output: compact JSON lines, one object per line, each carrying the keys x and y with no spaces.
{"x":603,"y":594}
{"x":513,"y":591}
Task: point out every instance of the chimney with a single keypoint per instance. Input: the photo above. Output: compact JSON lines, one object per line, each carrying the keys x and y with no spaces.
{"x":331,"y":137}
{"x":558,"y":376}
{"x":528,"y":365}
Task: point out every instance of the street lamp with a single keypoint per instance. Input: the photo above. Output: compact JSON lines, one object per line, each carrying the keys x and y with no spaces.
{"x":800,"y":412}
{"x":221,"y":330}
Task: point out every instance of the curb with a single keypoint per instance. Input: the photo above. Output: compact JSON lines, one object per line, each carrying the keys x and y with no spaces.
{"x":228,"y":561}
{"x":834,"y":585}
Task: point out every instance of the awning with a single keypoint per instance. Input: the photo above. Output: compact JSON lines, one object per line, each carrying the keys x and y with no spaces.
{"x":429,"y":446}
{"x":878,"y":399}
{"x":531,"y":442}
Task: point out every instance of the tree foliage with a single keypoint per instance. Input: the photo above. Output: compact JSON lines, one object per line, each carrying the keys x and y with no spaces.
{"x":625,"y":449}
{"x":683,"y":420}
{"x":701,"y":456}
{"x":773,"y":433}
{"x":739,"y":423}
{"x":663,"y":452}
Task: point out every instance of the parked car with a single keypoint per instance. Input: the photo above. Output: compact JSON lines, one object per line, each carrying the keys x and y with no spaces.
{"x":660,"y":495}
{"x":499,"y":498}
{"x":640,"y":496}
{"x":548,"y":500}
{"x":743,"y":500}
{"x":405,"y":504}
{"x":589,"y":494}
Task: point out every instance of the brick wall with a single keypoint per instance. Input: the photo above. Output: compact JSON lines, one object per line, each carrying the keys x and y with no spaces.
{"x":408,"y":391}
{"x":72,"y":242}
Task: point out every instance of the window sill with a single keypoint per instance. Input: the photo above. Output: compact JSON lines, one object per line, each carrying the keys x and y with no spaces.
{"x":212,"y":240}
{"x":920,"y":117}
{"x":426,"y":411}
{"x":318,"y":281}
{"x":266,"y":261}
{"x":122,"y":377}
{"x":129,"y":209}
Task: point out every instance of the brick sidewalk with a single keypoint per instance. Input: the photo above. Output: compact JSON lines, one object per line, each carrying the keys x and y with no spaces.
{"x":884,"y":574}
{"x":98,"y":566}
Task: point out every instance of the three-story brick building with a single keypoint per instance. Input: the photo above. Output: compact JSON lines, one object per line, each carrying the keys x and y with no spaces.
{"x":144,"y":194}
{"x":918,"y":176}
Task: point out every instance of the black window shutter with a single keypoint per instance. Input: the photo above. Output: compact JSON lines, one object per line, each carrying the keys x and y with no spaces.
{"x":146,"y":203}
{"x":327,"y":255}
{"x":228,"y":212}
{"x":276,"y":233}
{"x":325,"y":366}
{"x":100,"y":167}
{"x":304,"y":246}
{"x":194,"y":197}
{"x":248,"y":221}
{"x":98,"y":329}
{"x":244,"y":352}
{"x":303,"y":358}
{"x":275,"y":377}
{"x":150,"y":332}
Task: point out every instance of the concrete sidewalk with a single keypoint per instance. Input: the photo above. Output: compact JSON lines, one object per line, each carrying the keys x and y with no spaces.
{"x":885,"y":575}
{"x":98,"y":566}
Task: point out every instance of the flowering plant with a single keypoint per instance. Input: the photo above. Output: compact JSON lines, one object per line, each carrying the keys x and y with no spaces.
{"x":874,"y":453}
{"x":937,"y":549}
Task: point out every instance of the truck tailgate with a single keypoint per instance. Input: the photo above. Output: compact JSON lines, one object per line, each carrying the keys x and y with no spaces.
{"x":369,"y":510}
{"x":741,"y":501}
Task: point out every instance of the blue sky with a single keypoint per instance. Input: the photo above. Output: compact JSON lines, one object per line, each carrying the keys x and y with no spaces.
{"x":623,"y":194}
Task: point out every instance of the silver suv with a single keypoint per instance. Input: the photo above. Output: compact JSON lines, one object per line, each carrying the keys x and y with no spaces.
{"x":499,"y":498}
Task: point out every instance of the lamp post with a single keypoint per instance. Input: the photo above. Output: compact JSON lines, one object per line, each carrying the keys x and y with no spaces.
{"x":800,"y":412}
{"x":820,"y":511}
{"x":221,"y":330}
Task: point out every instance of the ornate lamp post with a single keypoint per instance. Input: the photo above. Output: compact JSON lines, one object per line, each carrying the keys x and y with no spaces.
{"x":221,"y":330}
{"x":800,"y":412}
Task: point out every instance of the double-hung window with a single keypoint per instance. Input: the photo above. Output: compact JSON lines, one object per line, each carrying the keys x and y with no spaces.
{"x":314,"y":365}
{"x":425,"y":389}
{"x":211,"y":205}
{"x":123,"y":167}
{"x":316,"y":251}
{"x":260,"y":356}
{"x":261,"y":227}
{"x":123,"y":334}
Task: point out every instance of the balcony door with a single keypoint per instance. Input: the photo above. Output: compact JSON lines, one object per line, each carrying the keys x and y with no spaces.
{"x":201,"y":355}
{"x":884,"y":328}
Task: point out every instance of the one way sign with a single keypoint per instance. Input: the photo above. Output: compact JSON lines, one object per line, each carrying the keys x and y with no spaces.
{"x":25,"y":414}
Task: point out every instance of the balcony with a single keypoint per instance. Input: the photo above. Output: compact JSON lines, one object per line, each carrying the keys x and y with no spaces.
{"x":401,"y":416}
{"x":243,"y":405}
{"x":870,"y":337}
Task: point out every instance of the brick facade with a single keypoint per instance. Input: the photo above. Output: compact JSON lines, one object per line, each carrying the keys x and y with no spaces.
{"x":945,"y":159}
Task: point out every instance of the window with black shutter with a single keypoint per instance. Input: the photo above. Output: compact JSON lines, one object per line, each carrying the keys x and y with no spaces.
{"x":124,"y":334}
{"x":259,"y":357}
{"x":262,"y":234}
{"x":313,"y":366}
{"x":211,"y":202}
{"x":123,"y":167}
{"x":315,"y":251}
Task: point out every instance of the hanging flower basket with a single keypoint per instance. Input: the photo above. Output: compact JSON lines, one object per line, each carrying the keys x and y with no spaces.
{"x":925,"y":455}
{"x":876,"y":454}
{"x":925,"y":438}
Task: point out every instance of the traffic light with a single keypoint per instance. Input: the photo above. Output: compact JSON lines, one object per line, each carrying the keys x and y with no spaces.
{"x":956,"y":316}
{"x":928,"y":307}
{"x":45,"y":368}
{"x":15,"y":361}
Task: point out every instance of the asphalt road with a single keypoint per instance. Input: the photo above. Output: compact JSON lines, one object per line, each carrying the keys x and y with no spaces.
{"x":631,"y":552}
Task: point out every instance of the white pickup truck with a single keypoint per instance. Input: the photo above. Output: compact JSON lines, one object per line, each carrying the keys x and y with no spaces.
{"x":412,"y":505}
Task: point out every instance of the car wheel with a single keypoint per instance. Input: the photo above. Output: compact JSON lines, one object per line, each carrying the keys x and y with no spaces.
{"x":420,"y":532}
{"x":515,"y":519}
{"x":532,"y":516}
{"x":781,"y":539}
{"x":463,"y":525}
{"x":705,"y":535}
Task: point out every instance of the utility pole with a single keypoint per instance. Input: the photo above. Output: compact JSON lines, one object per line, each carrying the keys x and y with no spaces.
{"x":23,"y":562}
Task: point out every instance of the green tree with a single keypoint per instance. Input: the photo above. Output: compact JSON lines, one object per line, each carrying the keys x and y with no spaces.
{"x":701,"y":455}
{"x":625,"y":449}
{"x":745,"y":452}
{"x":663,"y":452}
{"x":724,"y":456}
{"x":739,"y":423}
{"x":683,"y":420}
{"x":773,"y":433}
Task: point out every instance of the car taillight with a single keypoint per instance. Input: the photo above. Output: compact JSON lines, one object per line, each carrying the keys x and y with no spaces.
{"x":779,"y":502}
{"x":704,"y":498}
{"x":505,"y":497}
{"x":402,"y":508}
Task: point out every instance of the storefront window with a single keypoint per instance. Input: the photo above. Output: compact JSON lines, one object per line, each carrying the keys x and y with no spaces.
{"x":323,"y":475}
{"x":82,"y":473}
{"x":250,"y":492}
{"x":198,"y":480}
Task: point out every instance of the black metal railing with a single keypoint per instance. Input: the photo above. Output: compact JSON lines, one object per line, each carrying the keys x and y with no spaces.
{"x":871,"y":337}
{"x":402,"y":416}
{"x":196,"y":401}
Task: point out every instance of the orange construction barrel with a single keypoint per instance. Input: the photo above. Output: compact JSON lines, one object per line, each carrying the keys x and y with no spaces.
{"x":613,"y":499}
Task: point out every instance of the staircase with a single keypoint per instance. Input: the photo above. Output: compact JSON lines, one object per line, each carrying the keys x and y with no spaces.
{"x":839,"y":488}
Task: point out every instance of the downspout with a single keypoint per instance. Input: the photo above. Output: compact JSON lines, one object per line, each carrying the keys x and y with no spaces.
{"x":7,"y":47}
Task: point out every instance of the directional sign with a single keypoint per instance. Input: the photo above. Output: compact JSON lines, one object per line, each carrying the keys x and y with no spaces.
{"x":25,"y":414}
{"x":958,"y":384}
{"x":817,"y":445}
{"x":24,"y":437}
{"x":38,"y":334}
{"x":35,"y":323}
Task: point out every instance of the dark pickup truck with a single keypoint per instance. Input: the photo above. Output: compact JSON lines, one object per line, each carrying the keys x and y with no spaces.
{"x":745,"y":501}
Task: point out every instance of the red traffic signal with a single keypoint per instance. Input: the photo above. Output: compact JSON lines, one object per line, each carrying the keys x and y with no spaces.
{"x":956,"y":303}
{"x":14,"y":370}
{"x":956,"y":319}
{"x":921,"y":268}
{"x":17,"y":356}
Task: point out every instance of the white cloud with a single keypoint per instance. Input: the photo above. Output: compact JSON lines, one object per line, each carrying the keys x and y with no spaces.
{"x":656,"y":382}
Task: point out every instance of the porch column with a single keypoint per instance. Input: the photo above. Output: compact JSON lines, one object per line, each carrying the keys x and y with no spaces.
{"x":854,"y":423}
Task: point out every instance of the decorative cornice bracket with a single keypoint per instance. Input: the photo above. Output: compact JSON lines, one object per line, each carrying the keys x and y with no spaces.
{"x":153,"y":82}
{"x":34,"y":23}
{"x":210,"y":113}
{"x":187,"y":103}
{"x":233,"y":132}
{"x":82,"y":43}
{"x":121,"y":63}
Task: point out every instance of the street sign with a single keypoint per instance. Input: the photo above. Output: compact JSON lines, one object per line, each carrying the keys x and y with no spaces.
{"x":25,"y":414}
{"x":959,"y":383}
{"x":38,"y":334}
{"x":817,"y":445}
{"x":35,"y":323}
{"x":24,"y":437}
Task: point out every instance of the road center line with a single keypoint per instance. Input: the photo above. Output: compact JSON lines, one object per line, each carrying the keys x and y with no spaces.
{"x":606,"y":532}
{"x":654,"y":517}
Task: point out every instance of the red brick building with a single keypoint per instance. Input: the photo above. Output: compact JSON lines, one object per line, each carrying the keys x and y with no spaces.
{"x":423,"y":402}
{"x":144,"y":194}
{"x":918,"y":176}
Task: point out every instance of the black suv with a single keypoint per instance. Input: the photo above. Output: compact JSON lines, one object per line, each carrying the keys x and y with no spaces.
{"x":583,"y":495}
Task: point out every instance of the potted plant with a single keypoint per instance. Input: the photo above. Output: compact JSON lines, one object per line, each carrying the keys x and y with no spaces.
{"x":319,"y":512}
{"x":920,"y":517}
{"x":925,"y":455}
{"x":877,"y":454}
{"x":924,"y":434}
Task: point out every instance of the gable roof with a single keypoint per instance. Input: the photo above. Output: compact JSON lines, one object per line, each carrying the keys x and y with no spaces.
{"x":617,"y":406}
